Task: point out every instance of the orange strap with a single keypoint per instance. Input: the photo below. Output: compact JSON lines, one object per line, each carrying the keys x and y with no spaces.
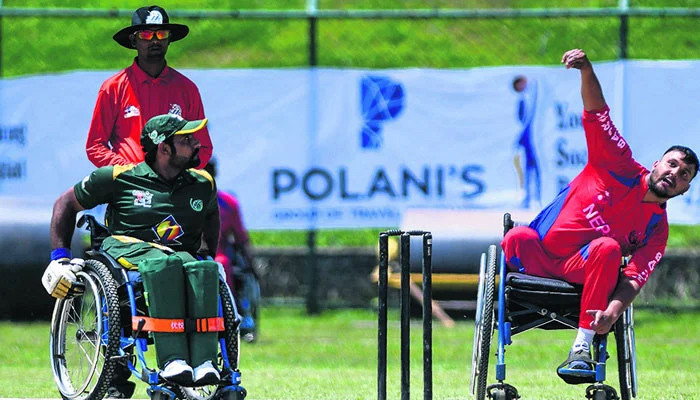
{"x":215,"y":324}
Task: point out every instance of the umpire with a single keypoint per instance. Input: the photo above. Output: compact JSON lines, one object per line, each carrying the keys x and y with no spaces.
{"x":157,"y":211}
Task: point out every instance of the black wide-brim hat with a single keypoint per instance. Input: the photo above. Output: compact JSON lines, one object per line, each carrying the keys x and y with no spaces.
{"x":153,"y":18}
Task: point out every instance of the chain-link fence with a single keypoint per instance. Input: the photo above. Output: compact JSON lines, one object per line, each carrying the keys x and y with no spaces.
{"x":431,"y":35}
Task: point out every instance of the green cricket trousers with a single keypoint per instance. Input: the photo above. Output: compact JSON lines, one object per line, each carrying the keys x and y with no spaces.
{"x":176,"y":286}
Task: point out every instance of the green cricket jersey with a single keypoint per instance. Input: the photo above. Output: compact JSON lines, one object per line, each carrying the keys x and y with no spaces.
{"x":144,"y":206}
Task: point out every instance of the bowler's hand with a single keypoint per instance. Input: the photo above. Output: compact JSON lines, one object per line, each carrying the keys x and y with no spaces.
{"x":575,"y":58}
{"x":602,"y":321}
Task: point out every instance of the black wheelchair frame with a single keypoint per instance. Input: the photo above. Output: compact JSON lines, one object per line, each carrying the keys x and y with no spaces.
{"x":92,"y":341}
{"x":528,"y":302}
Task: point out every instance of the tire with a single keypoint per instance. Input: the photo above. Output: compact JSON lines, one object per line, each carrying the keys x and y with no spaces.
{"x":484,"y":323}
{"x":600,"y":395}
{"x":232,"y":340}
{"x":85,"y":336}
{"x":626,"y":355}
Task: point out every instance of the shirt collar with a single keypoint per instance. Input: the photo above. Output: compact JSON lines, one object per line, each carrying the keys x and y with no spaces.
{"x":185,"y":178}
{"x":142,"y":76}
{"x":144,"y":169}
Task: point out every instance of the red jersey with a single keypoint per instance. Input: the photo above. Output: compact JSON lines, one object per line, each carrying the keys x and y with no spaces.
{"x":606,"y":199}
{"x":231,"y":222}
{"x":130,"y":98}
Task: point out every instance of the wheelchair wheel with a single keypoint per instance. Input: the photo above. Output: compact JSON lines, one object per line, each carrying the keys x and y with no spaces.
{"x":626,"y":355}
{"x":232,"y":340}
{"x":85,"y":336}
{"x":483,"y":323}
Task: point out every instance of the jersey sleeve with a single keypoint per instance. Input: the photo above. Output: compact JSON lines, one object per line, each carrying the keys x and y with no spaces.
{"x":103,"y":120}
{"x":96,"y":188}
{"x":647,"y":258}
{"x":606,"y":146}
{"x":213,"y":204}
{"x":231,"y":218}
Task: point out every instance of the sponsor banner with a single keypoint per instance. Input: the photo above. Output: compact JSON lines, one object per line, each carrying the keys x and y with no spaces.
{"x":329,"y":148}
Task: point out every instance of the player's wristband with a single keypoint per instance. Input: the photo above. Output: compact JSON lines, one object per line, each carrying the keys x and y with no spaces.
{"x":59,"y":253}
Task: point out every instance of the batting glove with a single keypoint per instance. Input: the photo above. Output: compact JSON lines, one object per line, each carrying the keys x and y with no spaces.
{"x":59,"y":278}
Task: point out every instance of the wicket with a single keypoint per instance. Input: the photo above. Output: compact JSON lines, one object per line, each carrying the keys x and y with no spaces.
{"x":405,"y":310}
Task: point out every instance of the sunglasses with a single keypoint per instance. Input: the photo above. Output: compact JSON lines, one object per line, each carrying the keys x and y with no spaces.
{"x":148,"y":35}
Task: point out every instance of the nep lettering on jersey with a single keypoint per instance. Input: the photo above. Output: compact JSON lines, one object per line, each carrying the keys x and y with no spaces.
{"x":596,"y":220}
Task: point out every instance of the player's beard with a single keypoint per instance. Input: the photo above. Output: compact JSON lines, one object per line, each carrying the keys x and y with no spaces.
{"x":184,"y":163}
{"x":656,"y":187}
{"x":194,"y":160}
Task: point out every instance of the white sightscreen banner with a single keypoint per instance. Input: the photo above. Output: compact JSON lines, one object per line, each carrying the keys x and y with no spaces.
{"x":331,"y":148}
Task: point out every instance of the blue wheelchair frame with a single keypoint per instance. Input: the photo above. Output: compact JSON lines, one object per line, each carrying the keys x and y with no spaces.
{"x":138,"y":339}
{"x":517,"y":313}
{"x":150,"y":376}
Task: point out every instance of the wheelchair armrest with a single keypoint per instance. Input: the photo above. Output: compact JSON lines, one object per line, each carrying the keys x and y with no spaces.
{"x":98,"y":232}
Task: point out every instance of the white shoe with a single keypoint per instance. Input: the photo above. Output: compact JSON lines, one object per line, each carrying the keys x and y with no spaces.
{"x":177,"y":371}
{"x":206,"y":374}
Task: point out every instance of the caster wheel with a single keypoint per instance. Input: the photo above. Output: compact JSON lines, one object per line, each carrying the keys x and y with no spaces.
{"x":502,"y":391}
{"x":233,"y":394}
{"x":160,"y":396}
{"x":160,"y":393}
{"x":601,"y":392}
{"x":499,"y":395}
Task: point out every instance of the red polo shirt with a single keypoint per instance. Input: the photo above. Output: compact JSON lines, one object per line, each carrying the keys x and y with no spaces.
{"x":606,"y":199}
{"x":130,"y":98}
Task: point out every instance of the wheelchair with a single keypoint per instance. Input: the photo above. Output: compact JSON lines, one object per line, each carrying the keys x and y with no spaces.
{"x":528,"y":302}
{"x":245,"y":284}
{"x":100,"y":335}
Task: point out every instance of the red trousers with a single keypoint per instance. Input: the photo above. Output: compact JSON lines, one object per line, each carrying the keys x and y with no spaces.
{"x":596,"y":266}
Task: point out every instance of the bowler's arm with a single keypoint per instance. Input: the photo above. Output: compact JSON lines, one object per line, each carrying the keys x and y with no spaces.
{"x":591,"y":92}
{"x":625,"y":292}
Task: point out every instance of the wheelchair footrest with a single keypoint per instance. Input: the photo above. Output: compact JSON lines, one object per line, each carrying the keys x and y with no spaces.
{"x":576,"y":376}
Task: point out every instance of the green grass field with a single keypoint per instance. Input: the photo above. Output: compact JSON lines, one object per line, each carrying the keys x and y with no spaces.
{"x":334,"y":357}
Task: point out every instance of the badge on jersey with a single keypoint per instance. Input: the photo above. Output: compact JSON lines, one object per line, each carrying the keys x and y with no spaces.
{"x":131,"y":111}
{"x":168,"y":231}
{"x":142,"y":198}
{"x":175,"y":109}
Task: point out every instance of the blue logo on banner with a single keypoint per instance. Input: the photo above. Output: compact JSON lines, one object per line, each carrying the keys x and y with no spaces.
{"x":527,"y":166}
{"x":382,"y":100}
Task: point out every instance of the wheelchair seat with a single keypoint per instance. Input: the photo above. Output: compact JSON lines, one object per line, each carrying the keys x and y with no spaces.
{"x":538,"y":284}
{"x":544,"y":303}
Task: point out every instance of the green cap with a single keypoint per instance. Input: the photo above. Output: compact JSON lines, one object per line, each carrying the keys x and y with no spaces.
{"x":161,"y":127}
